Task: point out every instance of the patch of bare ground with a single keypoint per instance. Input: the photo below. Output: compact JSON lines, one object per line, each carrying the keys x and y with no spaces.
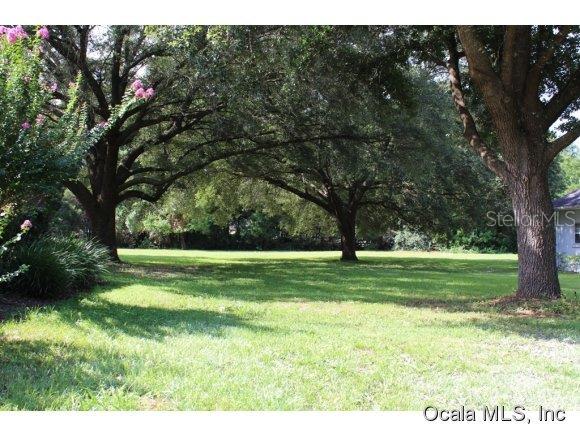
{"x":536,"y":308}
{"x":156,"y":271}
{"x":13,"y":304}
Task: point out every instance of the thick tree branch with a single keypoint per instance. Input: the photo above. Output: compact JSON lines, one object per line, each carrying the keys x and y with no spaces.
{"x":116,"y":86}
{"x":559,"y":144}
{"x":559,"y":102}
{"x":134,"y":193}
{"x":82,"y":194}
{"x":77,"y":56}
{"x":141,"y":58}
{"x":535,"y":72}
{"x":515,"y":58}
{"x":500,"y":104}
{"x":469,"y":127}
{"x":305,"y":195}
{"x":124,"y":170}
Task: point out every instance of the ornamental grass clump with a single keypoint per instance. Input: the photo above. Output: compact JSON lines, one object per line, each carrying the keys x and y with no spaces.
{"x":57,"y":267}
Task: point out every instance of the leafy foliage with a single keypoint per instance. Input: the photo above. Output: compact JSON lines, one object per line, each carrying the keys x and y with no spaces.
{"x":565,"y":172}
{"x":8,"y":274}
{"x":407,"y":239}
{"x":57,"y":266}
{"x":37,"y":151}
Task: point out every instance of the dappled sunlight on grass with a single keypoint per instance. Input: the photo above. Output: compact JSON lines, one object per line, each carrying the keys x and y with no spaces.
{"x":305,"y":276}
{"x":295,"y":330}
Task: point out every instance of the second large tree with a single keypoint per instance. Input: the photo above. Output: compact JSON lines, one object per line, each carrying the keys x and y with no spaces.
{"x":516,"y":90}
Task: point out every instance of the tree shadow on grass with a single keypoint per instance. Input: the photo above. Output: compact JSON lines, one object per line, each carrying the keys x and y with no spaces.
{"x":435,"y":264}
{"x":413,"y":284}
{"x":42,"y":375}
{"x":548,"y":328}
{"x":149,"y":322}
{"x":448,"y":285}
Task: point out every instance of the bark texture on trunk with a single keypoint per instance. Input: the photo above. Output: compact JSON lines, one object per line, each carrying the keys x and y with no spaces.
{"x":347,"y":228}
{"x":103,"y":228}
{"x":512,"y":92}
{"x":534,"y":215}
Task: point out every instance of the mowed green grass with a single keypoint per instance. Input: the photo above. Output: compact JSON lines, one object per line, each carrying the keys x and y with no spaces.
{"x":273,"y":330}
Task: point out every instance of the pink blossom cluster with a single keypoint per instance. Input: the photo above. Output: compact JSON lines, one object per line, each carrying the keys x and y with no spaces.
{"x":13,"y":34}
{"x":40,"y":119}
{"x":43,"y":32}
{"x":141,"y":92}
{"x":26,"y":225}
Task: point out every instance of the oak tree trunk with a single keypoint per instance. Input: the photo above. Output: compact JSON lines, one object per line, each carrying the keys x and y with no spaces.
{"x":534,"y":217}
{"x":347,"y":227}
{"x":103,"y":229}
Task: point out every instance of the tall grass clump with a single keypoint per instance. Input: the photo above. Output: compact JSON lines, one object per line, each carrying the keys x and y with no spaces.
{"x":58,"y":266}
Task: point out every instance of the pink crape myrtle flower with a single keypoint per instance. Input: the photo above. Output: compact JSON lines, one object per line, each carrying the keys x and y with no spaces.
{"x":53,"y":87}
{"x":3,"y":30}
{"x":20,"y":32}
{"x":137,"y":84}
{"x":26,"y":225}
{"x":40,"y":119}
{"x":25,"y":125}
{"x":43,"y":32}
{"x":140,"y":91}
{"x":13,"y":34}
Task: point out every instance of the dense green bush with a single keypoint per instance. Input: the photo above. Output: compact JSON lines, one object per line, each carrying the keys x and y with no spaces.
{"x":407,"y":239}
{"x":58,"y":266}
{"x":483,"y":241}
{"x":568,"y":263}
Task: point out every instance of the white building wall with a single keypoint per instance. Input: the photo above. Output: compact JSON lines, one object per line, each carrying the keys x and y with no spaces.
{"x":565,"y":232}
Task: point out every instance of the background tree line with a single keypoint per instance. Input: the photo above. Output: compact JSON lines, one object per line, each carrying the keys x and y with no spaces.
{"x":318,"y":136}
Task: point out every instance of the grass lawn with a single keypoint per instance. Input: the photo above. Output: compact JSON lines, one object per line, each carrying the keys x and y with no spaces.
{"x":273,"y":330}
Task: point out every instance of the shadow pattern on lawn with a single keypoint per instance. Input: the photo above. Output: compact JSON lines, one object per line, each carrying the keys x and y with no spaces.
{"x":42,"y":375}
{"x":449,"y":285}
{"x":408,"y":282}
{"x":150,"y":322}
{"x":33,"y":373}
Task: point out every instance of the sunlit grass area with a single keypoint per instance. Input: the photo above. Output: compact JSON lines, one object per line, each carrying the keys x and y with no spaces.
{"x":294,"y":330}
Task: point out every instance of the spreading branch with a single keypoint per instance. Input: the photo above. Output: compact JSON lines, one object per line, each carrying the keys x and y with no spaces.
{"x":559,"y":144}
{"x":470,"y":131}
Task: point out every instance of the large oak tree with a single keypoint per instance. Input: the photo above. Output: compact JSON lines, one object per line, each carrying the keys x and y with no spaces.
{"x":516,"y":90}
{"x":378,"y":133}
{"x":153,"y":138}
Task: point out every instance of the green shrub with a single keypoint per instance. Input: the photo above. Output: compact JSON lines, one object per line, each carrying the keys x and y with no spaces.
{"x":482,"y":241}
{"x":86,"y":260}
{"x":58,"y":266}
{"x":568,"y":263}
{"x":407,"y":239}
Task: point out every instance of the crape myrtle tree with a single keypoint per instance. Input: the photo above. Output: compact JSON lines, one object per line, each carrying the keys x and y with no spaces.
{"x":36,"y":151}
{"x":153,"y":92}
{"x":378,"y":131}
{"x":516,"y":90}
